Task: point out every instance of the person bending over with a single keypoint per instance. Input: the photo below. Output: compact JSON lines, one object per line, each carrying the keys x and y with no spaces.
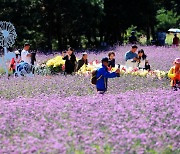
{"x":174,"y":74}
{"x":102,"y":76}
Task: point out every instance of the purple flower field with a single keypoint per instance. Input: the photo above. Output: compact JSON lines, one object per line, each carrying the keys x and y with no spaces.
{"x":123,"y":123}
{"x":160,"y":58}
{"x":58,"y":114}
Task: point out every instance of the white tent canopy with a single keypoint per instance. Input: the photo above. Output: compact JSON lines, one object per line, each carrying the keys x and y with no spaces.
{"x":174,"y":30}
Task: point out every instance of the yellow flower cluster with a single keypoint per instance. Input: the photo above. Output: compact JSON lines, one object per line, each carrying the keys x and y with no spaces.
{"x":86,"y":69}
{"x":55,"y":62}
{"x":161,"y":74}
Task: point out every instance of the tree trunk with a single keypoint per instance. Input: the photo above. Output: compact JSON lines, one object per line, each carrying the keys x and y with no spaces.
{"x":153,"y":32}
{"x":148,"y":34}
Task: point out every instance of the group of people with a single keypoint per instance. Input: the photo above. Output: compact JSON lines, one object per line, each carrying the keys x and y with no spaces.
{"x":161,"y":39}
{"x":24,"y":60}
{"x":133,"y":60}
{"x":71,"y":65}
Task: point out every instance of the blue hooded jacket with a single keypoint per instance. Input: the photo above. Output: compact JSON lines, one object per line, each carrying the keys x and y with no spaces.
{"x":101,"y":84}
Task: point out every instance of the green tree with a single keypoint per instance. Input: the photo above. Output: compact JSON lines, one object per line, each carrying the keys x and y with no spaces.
{"x":166,"y":19}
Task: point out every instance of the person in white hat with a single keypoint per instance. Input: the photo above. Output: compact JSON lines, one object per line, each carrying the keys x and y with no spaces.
{"x":174,"y":74}
{"x":15,"y":61}
{"x":82,"y":61}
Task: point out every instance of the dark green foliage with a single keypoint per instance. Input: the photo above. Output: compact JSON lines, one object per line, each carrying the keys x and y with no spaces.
{"x":57,"y":24}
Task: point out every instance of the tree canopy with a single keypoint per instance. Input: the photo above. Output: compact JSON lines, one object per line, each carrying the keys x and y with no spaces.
{"x":56,"y":24}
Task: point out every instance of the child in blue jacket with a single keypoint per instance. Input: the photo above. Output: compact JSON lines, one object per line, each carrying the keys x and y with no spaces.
{"x":102,"y":76}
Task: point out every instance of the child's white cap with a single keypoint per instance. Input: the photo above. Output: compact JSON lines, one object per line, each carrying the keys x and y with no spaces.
{"x":84,"y":53}
{"x":16,"y":52}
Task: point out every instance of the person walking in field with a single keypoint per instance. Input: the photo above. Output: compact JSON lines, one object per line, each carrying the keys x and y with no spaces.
{"x":102,"y":76}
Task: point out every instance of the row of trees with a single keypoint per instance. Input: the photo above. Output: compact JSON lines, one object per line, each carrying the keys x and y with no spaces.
{"x":55,"y":24}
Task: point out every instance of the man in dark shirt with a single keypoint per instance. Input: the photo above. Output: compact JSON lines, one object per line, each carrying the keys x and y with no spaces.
{"x":82,"y":61}
{"x":132,"y":38}
{"x":176,"y":40}
{"x":70,"y":61}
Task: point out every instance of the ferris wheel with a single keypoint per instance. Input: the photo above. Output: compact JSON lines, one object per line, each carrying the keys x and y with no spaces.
{"x":7,"y":34}
{"x":7,"y":39}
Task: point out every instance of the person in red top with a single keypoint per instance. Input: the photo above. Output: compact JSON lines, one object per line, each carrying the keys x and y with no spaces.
{"x":176,"y":40}
{"x":15,"y":61}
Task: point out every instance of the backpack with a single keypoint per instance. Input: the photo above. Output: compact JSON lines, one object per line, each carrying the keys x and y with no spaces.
{"x":94,"y":79}
{"x":23,"y":69}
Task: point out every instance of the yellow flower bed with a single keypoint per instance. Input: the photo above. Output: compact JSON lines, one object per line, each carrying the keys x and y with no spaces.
{"x":87,"y":69}
{"x":55,"y":62}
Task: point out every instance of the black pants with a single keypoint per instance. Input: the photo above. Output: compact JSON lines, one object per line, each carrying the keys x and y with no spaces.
{"x":14,"y":71}
{"x":177,"y":83}
{"x":32,"y":69}
{"x":176,"y":86}
{"x":147,"y":67}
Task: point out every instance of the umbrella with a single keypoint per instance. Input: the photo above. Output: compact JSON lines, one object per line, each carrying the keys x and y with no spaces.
{"x":174,"y":30}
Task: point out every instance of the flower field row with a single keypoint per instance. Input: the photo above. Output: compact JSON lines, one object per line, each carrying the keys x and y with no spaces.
{"x":159,"y":59}
{"x":74,"y":85}
{"x":63,"y":114}
{"x":96,"y":124}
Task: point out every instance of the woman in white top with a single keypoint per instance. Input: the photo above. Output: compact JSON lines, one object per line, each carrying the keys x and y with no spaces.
{"x":143,"y":62}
